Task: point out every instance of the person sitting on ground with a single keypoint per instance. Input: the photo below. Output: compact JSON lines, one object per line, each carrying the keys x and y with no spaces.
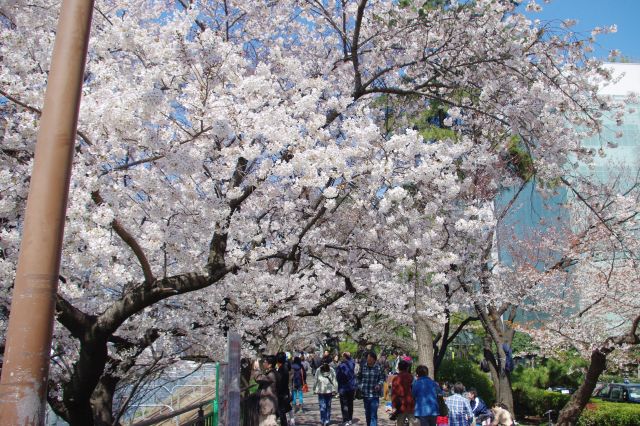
{"x":501,"y":415}
{"x":481,"y":412}
{"x":460,"y":412}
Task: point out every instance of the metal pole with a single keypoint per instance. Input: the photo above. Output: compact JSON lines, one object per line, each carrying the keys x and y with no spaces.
{"x":25,"y":371}
{"x":232,"y":413}
{"x":216,"y":401}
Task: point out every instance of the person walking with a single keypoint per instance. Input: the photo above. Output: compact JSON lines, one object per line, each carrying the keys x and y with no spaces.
{"x":268,"y":395}
{"x":425,"y":393}
{"x":460,"y":412}
{"x":314,"y":362}
{"x":305,"y":363}
{"x":298,"y":380}
{"x":401,"y":397}
{"x":347,"y":385}
{"x":370,"y":381}
{"x":282,"y":387}
{"x":326,"y":358}
{"x":325,"y":386}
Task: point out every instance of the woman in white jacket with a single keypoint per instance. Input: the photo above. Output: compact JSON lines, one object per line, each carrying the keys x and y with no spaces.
{"x":325,"y":386}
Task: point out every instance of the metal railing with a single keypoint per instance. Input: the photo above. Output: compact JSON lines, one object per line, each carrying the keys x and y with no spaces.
{"x":201,"y":420}
{"x":226,"y":407}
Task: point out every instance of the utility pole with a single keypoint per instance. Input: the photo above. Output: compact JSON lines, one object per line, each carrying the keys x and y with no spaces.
{"x":25,"y":371}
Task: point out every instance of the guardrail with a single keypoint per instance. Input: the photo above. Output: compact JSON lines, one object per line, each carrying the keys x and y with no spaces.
{"x":201,"y":416}
{"x":249,"y":408}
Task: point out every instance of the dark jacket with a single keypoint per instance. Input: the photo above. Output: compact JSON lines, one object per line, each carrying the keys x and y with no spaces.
{"x":282,"y":388}
{"x":479,"y":407}
{"x":370,"y":380}
{"x":299,"y":376}
{"x":346,"y":376}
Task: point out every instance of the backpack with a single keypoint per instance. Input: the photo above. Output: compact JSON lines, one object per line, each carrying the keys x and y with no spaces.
{"x":340,"y":374}
{"x":484,"y":366}
{"x":508,"y":362}
{"x":298,"y":376}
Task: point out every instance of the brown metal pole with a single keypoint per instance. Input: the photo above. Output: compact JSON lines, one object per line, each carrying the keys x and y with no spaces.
{"x":25,"y":371}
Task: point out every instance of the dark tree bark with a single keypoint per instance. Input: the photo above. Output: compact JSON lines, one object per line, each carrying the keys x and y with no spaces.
{"x":498,"y":329}
{"x":95,"y":332}
{"x":571,"y":411}
{"x":102,"y":400}
{"x":499,"y":376}
{"x":86,"y":375}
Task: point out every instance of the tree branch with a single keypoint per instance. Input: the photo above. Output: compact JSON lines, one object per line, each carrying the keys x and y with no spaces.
{"x":354,"y":49}
{"x":39,"y":112}
{"x":129,"y":240}
{"x":72,"y":318}
{"x":147,"y":294}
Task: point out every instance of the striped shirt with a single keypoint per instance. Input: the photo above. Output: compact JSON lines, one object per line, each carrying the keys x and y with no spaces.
{"x":369,"y":378}
{"x":460,"y":412}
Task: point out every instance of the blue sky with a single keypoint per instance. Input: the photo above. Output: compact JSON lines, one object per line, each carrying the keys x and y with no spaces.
{"x":592,"y":13}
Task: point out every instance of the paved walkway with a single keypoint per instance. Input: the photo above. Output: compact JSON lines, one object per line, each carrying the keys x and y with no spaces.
{"x":310,"y":415}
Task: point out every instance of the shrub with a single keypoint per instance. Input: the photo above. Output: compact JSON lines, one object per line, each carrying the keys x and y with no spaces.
{"x":551,"y":373}
{"x":531,"y":377}
{"x":567,"y":372}
{"x":610,"y":413}
{"x":530,"y":401}
{"x":468,"y":373}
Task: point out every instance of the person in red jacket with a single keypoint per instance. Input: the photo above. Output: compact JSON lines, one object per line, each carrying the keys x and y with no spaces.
{"x":401,"y":396}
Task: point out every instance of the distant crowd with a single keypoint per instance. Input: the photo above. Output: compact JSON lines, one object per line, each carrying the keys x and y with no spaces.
{"x":414,"y":400}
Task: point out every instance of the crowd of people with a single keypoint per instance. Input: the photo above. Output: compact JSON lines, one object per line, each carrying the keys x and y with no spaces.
{"x":414,"y":399}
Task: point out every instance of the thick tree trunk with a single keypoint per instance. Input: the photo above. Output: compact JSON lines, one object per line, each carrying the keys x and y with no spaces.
{"x":85,"y":378}
{"x":501,"y":379}
{"x":504,"y":393}
{"x":570,"y":413}
{"x":79,"y":409}
{"x":424,"y":338}
{"x":94,"y":332}
{"x":102,"y":401}
{"x":55,"y":404}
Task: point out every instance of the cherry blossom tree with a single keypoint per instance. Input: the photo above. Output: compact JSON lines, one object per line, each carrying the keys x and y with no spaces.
{"x":588,"y":286}
{"x":240,"y":149}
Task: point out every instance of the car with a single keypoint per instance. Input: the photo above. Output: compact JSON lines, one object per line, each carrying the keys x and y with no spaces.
{"x":563,"y":390}
{"x":598,"y":388}
{"x":620,"y":392}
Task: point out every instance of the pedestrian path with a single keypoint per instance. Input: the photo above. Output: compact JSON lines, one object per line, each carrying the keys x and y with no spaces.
{"x":310,"y":415}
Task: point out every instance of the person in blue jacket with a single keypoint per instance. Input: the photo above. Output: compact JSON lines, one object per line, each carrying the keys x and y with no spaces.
{"x":425,"y":393}
{"x":481,"y":412}
{"x":346,"y":376}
